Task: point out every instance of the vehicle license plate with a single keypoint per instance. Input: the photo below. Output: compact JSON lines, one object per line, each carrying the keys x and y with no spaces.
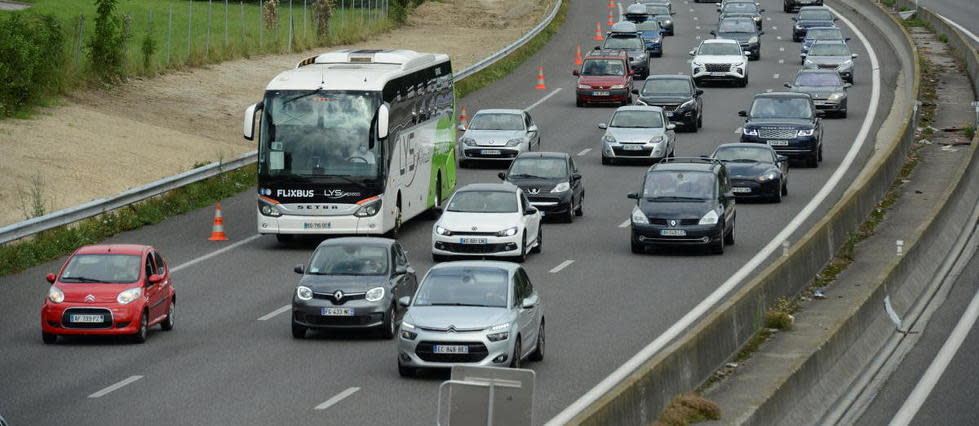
{"x":740,"y":189}
{"x":673,"y":233}
{"x":337,"y":312}
{"x":491,"y":152}
{"x":632,"y":147}
{"x":718,"y":74}
{"x":450,"y":349}
{"x":600,"y":93}
{"x":86,"y":318}
{"x":316,"y":225}
{"x":778,"y":143}
{"x":472,"y":241}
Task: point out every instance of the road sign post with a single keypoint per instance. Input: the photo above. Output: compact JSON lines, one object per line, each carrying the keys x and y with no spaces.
{"x":486,"y":396}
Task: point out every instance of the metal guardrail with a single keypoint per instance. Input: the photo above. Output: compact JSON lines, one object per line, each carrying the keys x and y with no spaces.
{"x":93,"y":208}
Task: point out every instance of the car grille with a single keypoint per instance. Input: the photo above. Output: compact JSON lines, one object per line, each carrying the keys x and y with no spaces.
{"x":668,"y":108}
{"x":477,"y":153}
{"x":769,"y":133}
{"x":624,"y":153}
{"x":473,"y":233}
{"x":477,"y":351}
{"x":473,"y":248}
{"x":346,"y":297}
{"x":666,"y":222}
{"x":106,"y":318}
{"x":828,"y":66}
{"x":717,"y":67}
{"x":313,"y":319}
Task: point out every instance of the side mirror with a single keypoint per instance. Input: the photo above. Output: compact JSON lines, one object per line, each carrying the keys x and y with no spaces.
{"x":155,"y":278}
{"x":404,"y":301}
{"x":699,"y":92}
{"x":635,"y":91}
{"x":692,"y":53}
{"x":713,"y":33}
{"x":633,"y":195}
{"x":462,"y":127}
{"x":846,"y":38}
{"x":795,"y":18}
{"x":299,"y":269}
{"x":632,"y":72}
{"x":249,"y":124}
{"x":803,"y":55}
{"x":576,"y":176}
{"x":836,"y":19}
{"x":502,"y":175}
{"x":761,"y":10}
{"x":853,"y":55}
{"x":742,"y":113}
{"x":532,"y":128}
{"x":761,"y":32}
{"x":530,"y":211}
{"x":820,"y":113}
{"x":529,"y":302}
{"x":727,"y":196}
{"x":597,"y":48}
{"x":847,"y":85}
{"x":670,"y":126}
{"x":437,"y":210}
{"x":602,"y":125}
{"x":781,"y":158}
{"x":788,"y":85}
{"x":575,"y":73}
{"x":50,"y":278}
{"x":383,"y":117}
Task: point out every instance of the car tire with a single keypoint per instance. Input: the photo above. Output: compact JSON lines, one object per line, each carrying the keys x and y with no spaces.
{"x":819,"y":154}
{"x":691,"y":126}
{"x":843,"y":113}
{"x":743,"y":82}
{"x":167,"y":323}
{"x":637,"y":247}
{"x":517,"y":349}
{"x":578,"y":103}
{"x":143,"y":330}
{"x":522,"y":257}
{"x":406,"y":371}
{"x":389,"y":327}
{"x":813,"y":160}
{"x":284,"y":238}
{"x":395,"y":232}
{"x":729,"y":238}
{"x":298,"y":331}
{"x":785,"y":189}
{"x":540,"y":237}
{"x":700,"y":120}
{"x":463,"y":164}
{"x":580,"y":210}
{"x":607,"y":160}
{"x":49,"y":338}
{"x":568,"y":218}
{"x":538,"y":354}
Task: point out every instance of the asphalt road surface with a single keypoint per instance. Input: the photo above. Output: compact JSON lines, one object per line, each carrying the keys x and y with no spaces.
{"x":962,"y":12}
{"x":222,"y":365}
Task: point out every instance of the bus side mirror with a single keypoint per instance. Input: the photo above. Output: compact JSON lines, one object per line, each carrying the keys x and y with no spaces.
{"x":249,"y":124}
{"x":383,"y":116}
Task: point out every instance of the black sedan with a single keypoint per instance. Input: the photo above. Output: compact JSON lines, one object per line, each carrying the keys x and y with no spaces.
{"x":551,"y":181}
{"x":756,"y":171}
{"x":353,"y":283}
{"x":744,"y":31}
{"x":679,"y":97}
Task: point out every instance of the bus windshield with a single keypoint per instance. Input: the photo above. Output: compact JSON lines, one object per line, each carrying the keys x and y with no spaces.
{"x":319,"y":133}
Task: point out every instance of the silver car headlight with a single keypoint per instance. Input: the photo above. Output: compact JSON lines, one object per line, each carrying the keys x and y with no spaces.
{"x":55,"y":295}
{"x":845,"y":65}
{"x":809,"y":64}
{"x":756,"y":18}
{"x":304,"y":293}
{"x":499,"y":332}
{"x":509,"y":232}
{"x":657,"y":40}
{"x":798,"y":27}
{"x":749,"y":132}
{"x":129,"y":296}
{"x":608,"y":138}
{"x":770,"y":175}
{"x":369,"y":209}
{"x":562,"y":187}
{"x":408,"y":331}
{"x":374,"y":294}
{"x":467,"y":141}
{"x":515,"y":141}
{"x":638,"y":216}
{"x":584,"y":86}
{"x":753,"y":40}
{"x":806,"y":132}
{"x":668,"y":22}
{"x":695,"y":63}
{"x":442,"y":231}
{"x":657,"y":139}
{"x":709,"y":219}
{"x":836,"y":97}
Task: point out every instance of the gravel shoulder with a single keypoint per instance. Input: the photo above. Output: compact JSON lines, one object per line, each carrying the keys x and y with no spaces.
{"x":97,"y":143}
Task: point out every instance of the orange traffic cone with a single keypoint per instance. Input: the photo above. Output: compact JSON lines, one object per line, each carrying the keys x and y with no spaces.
{"x":217,"y":231}
{"x":610,"y":19}
{"x":598,"y":31}
{"x":611,"y":4}
{"x":463,"y":118}
{"x":577,"y":55}
{"x":540,"y":79}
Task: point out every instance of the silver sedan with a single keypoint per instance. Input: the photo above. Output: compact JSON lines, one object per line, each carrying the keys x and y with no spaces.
{"x":498,"y":134}
{"x":472,"y":312}
{"x":637,"y":133}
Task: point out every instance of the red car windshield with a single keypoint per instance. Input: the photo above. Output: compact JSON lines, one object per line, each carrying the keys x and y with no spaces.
{"x":102,"y":268}
{"x":606,"y":67}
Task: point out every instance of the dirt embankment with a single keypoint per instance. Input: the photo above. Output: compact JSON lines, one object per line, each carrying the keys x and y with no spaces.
{"x":101,"y":142}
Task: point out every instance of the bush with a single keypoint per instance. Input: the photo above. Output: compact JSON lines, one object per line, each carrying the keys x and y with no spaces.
{"x":106,"y":46}
{"x":31,"y":48}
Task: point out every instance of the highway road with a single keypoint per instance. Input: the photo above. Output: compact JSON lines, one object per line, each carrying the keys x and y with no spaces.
{"x":961,"y":12}
{"x":231,"y":358}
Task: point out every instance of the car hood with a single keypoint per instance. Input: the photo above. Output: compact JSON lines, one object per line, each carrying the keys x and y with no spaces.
{"x":346,"y":283}
{"x":544,"y":185}
{"x":818,"y":92}
{"x":780,"y":122}
{"x":828,"y":60}
{"x":664,"y":99}
{"x":747,"y":170}
{"x":675,"y":209}
{"x":459,"y":317}
{"x":719,"y":59}
{"x":478,"y":222}
{"x":103,"y":293}
{"x":635,"y":135}
{"x":493,"y":137}
{"x":601,"y":80}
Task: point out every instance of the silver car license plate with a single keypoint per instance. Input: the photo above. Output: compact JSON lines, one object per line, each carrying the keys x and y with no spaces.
{"x":491,"y":152}
{"x":472,"y":241}
{"x":337,"y":312}
{"x":450,"y":349}
{"x":740,"y":189}
{"x":673,"y":233}
{"x":776,"y":142}
{"x":86,"y":318}
{"x":600,"y":93}
{"x":632,"y":147}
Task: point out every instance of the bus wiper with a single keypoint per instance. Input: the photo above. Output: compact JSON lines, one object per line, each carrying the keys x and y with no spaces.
{"x":300,"y":96}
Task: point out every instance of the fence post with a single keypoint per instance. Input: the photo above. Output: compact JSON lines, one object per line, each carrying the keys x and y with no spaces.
{"x":261,"y":29}
{"x":362,"y":17}
{"x":169,"y":34}
{"x":289,"y":42}
{"x":190,"y":24}
{"x":81,"y":38}
{"x":241,"y":24}
{"x":207,"y":38}
{"x":225,"y":24}
{"x":305,"y":33}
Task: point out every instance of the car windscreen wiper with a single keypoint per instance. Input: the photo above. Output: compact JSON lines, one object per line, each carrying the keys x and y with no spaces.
{"x":674,"y":198}
{"x":742,"y":160}
{"x":459,"y":304}
{"x":82,"y":280}
{"x":525,"y":175}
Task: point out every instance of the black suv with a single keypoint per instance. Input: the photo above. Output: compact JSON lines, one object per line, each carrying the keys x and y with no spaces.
{"x":788,"y":122}
{"x":679,"y":97}
{"x":790,"y":6}
{"x":626,"y":36}
{"x":684,"y":201}
{"x":744,"y":31}
{"x":809,"y":17}
{"x":551,"y":181}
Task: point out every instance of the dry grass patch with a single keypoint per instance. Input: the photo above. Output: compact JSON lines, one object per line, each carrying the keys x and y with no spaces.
{"x":688,"y":408}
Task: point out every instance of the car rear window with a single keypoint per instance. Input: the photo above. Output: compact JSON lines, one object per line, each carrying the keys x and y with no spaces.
{"x":102,"y":268}
{"x":464,"y":286}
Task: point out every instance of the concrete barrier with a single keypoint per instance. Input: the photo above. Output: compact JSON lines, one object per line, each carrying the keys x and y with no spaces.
{"x":963,"y":46}
{"x":690,"y":360}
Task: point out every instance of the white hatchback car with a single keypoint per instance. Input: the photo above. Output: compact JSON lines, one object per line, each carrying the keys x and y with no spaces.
{"x":719,"y":60}
{"x":487,"y":220}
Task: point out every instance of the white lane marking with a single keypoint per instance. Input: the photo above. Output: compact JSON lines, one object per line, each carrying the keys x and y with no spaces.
{"x":781,"y":61}
{"x":563,"y":265}
{"x":768,"y":19}
{"x":339,"y":397}
{"x":934,"y":372}
{"x":583,"y":152}
{"x":546,"y":97}
{"x":625,"y":224}
{"x":774,"y":27}
{"x":775,"y":76}
{"x":781,"y":49}
{"x":778,"y":37}
{"x":695,"y":18}
{"x":768,"y":90}
{"x":691,"y":10}
{"x":738,"y":130}
{"x":698,"y":27}
{"x":215,"y":253}
{"x":115,"y":387}
{"x":269,"y":315}
{"x":732,"y":282}
{"x":698,"y":37}
{"x":680,"y":72}
{"x":959,"y":27}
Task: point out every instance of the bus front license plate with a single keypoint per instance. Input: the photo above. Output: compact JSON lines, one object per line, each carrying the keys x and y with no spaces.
{"x":316,"y":225}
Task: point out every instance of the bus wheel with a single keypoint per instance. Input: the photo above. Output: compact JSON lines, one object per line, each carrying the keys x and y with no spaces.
{"x":433,"y":213}
{"x":396,"y":231}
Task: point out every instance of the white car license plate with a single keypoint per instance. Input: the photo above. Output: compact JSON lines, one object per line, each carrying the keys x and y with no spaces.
{"x":472,"y":241}
{"x":718,"y":74}
{"x":491,"y":152}
{"x":86,"y":318}
{"x":632,"y":147}
{"x":337,"y":312}
{"x":600,"y":93}
{"x":316,"y":225}
{"x":673,"y":233}
{"x":740,"y":189}
{"x":450,"y":349}
{"x":774,"y":142}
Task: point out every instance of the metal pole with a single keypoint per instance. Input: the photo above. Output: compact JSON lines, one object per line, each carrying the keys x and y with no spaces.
{"x":241,"y":24}
{"x":225,"y":24}
{"x":305,"y":34}
{"x":362,"y":17}
{"x":81,"y":37}
{"x":169,"y":33}
{"x":261,"y":29}
{"x":289,"y":42}
{"x":489,"y":406}
{"x":207,"y":38}
{"x":190,"y":21}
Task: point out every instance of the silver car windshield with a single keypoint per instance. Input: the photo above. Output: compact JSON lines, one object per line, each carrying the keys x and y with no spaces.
{"x":781,"y":108}
{"x":740,"y":7}
{"x":539,"y":168}
{"x":821,"y":79}
{"x":829,"y":49}
{"x":349,"y":259}
{"x":494,"y":121}
{"x":637,"y":118}
{"x":464,"y":287}
{"x":102,"y":268}
{"x":720,"y":49}
{"x":824,"y":34}
{"x":746,"y":154}
{"x":483,"y":202}
{"x":815,"y":15}
{"x":671,"y":185}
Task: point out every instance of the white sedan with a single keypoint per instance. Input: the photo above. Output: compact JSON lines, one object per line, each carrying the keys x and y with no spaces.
{"x":487,"y":220}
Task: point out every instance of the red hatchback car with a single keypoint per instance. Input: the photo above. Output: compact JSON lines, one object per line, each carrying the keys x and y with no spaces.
{"x":604,"y":77}
{"x":109,"y":289}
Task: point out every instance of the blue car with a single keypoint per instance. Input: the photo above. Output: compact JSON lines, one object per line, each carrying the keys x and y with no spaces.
{"x":651,"y":34}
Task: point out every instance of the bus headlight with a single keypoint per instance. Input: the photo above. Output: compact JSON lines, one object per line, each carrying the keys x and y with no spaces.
{"x":369,"y":209}
{"x":268,"y":209}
